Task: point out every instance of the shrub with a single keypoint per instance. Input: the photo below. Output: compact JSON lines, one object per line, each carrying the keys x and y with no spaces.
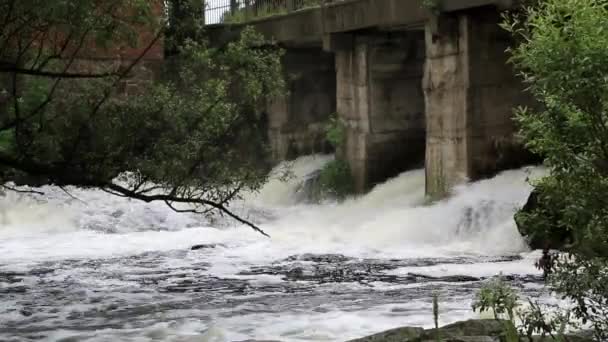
{"x":336,"y":180}
{"x":563,"y":57}
{"x":335,"y":132}
{"x":498,"y":297}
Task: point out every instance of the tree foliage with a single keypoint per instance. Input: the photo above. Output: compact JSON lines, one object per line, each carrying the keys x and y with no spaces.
{"x":563,"y":57}
{"x":189,"y":137}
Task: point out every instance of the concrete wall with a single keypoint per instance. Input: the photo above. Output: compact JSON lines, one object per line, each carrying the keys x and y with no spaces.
{"x":470,"y":92}
{"x":411,"y":88}
{"x":296,"y":121}
{"x":380,"y":100}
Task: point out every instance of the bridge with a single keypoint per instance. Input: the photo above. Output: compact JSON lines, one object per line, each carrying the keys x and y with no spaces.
{"x":416,"y":82}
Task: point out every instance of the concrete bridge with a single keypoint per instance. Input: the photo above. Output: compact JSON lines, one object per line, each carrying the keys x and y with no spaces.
{"x":414,"y":87}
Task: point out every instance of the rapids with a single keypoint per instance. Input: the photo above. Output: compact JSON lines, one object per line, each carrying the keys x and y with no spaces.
{"x":92,"y":267}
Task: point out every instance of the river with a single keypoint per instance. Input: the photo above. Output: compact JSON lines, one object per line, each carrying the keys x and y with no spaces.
{"x":93,"y":267}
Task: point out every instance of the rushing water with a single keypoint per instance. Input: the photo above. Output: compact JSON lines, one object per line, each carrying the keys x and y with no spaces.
{"x":92,"y":267}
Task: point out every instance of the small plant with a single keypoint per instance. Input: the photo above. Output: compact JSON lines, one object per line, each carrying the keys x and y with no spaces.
{"x":7,"y":140}
{"x":432,"y":5}
{"x":311,"y":3}
{"x":334,"y":131}
{"x":244,"y":14}
{"x":536,"y":320}
{"x":436,"y":315}
{"x":498,"y":297}
{"x":336,"y":179}
{"x":236,"y":17}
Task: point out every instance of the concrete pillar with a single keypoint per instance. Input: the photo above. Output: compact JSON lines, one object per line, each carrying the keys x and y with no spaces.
{"x":470,"y":93}
{"x":297,"y":120}
{"x":380,"y":100}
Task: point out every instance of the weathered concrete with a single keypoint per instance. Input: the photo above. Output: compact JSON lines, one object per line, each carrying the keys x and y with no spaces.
{"x":459,"y":118}
{"x":296,"y":121}
{"x":470,"y":92}
{"x":379,"y":99}
{"x":311,"y":26}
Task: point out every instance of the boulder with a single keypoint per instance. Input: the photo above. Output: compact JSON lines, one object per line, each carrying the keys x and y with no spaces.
{"x":394,"y":335}
{"x":206,"y":246}
{"x":480,"y":330}
{"x":475,"y":330}
{"x":309,"y":190}
{"x":549,"y":235}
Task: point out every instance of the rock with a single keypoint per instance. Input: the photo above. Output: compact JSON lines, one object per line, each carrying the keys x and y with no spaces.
{"x":480,"y":330}
{"x":470,"y":328}
{"x":539,"y":238}
{"x":569,"y":338}
{"x":309,"y":190}
{"x":394,"y":335}
{"x":205,"y":246}
{"x":451,"y":278}
{"x":26,"y":313}
{"x":475,"y":330}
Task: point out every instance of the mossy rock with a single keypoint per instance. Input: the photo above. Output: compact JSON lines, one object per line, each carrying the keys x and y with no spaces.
{"x":475,"y":330}
{"x":471,"y":328}
{"x":394,"y":335}
{"x":480,"y":330}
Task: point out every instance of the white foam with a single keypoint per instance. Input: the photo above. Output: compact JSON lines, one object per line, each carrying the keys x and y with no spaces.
{"x":280,"y":190}
{"x":392,"y":221}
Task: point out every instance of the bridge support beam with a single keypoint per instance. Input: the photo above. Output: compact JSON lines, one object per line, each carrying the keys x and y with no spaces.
{"x":380,"y":101}
{"x":470,"y":93}
{"x":296,"y":120}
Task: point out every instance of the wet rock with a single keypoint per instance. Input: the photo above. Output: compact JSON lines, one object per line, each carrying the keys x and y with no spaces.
{"x":26,"y":313}
{"x":394,"y":335}
{"x":118,"y":213}
{"x":475,"y":330}
{"x":319,"y":258}
{"x":473,"y":327}
{"x":466,"y":331}
{"x":309,"y":190}
{"x":539,"y":237}
{"x":333,"y":268}
{"x":205,"y":246}
{"x":450,"y":279}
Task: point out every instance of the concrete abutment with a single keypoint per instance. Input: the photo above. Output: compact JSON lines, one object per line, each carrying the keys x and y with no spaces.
{"x":432,"y":91}
{"x":380,"y":102}
{"x":470,"y":94}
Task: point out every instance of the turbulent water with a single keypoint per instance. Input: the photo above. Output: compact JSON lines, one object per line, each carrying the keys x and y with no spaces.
{"x":92,"y":267}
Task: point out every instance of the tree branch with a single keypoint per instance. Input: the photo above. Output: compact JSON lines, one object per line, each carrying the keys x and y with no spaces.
{"x":10,"y":188}
{"x":57,"y":173}
{"x":11,"y":68}
{"x":174,"y":199}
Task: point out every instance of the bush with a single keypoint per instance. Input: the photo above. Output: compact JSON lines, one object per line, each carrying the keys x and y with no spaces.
{"x":336,"y":180}
{"x":335,"y":132}
{"x":563,"y":58}
{"x":497,"y":296}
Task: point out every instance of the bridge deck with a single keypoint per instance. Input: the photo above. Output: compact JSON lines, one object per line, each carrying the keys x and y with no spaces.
{"x":310,"y":26}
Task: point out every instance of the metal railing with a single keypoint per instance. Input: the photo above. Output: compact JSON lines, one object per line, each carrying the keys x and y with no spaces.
{"x":237,"y":11}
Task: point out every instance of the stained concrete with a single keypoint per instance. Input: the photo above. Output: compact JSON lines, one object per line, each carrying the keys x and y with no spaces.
{"x":311,"y":26}
{"x":297,"y":120}
{"x":380,"y":100}
{"x":412,"y":88}
{"x":470,"y":94}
